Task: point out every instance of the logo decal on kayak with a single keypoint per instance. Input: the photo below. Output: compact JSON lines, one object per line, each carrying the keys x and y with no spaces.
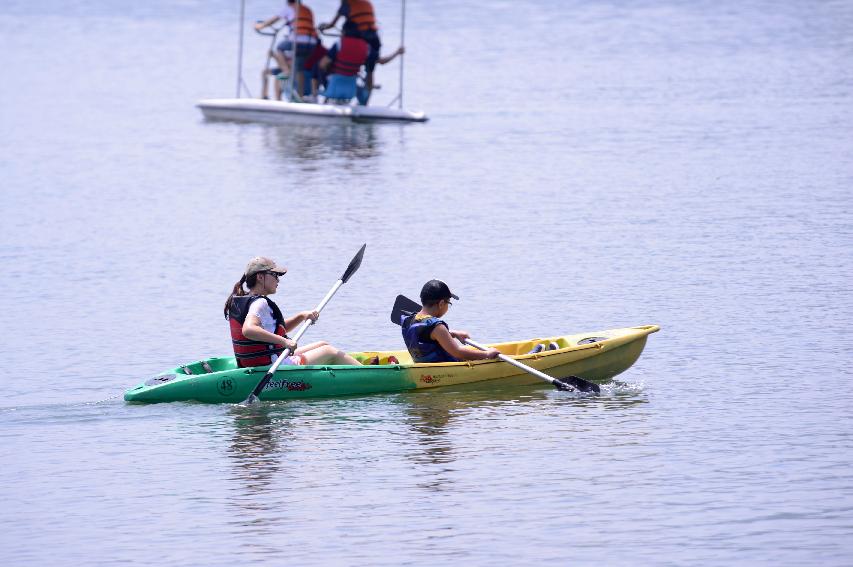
{"x":225,"y":387}
{"x":289,"y":386}
{"x":434,"y":378}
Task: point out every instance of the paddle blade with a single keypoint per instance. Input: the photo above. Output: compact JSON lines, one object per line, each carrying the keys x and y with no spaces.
{"x":576,"y":383}
{"x":403,"y":306}
{"x":353,"y":265}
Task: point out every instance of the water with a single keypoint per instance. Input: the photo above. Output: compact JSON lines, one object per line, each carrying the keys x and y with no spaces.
{"x":587,"y":166}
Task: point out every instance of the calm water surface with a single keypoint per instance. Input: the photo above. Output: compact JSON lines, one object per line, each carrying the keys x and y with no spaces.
{"x":587,"y":166}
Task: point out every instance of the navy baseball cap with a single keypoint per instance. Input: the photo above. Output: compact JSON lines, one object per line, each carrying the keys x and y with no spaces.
{"x":436,"y":290}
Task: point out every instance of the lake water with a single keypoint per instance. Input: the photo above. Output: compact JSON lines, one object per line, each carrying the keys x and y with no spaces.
{"x":587,"y":166}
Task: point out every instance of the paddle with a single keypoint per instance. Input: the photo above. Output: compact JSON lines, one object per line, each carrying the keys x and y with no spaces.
{"x":404,"y":306}
{"x":351,"y":269}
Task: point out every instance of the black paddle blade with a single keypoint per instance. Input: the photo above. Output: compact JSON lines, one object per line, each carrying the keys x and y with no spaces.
{"x":353,"y":265}
{"x":576,"y":383}
{"x":403,"y":306}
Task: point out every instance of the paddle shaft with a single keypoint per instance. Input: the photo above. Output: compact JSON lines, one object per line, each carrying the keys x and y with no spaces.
{"x":298,"y":335}
{"x":554,"y":382}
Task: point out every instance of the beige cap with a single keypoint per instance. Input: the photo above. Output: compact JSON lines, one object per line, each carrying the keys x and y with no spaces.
{"x":262,"y":264}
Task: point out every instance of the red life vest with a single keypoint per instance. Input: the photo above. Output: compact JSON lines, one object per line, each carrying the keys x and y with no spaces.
{"x":249,"y":352}
{"x":352,"y":53}
{"x":361,"y":15}
{"x":305,"y":21}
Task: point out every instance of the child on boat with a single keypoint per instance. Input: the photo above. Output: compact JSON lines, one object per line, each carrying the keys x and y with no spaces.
{"x":258,"y":328}
{"x":342,"y":64}
{"x":428,"y":337}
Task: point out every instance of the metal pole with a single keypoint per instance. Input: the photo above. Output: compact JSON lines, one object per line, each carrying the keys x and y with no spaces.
{"x":402,"y":57}
{"x":240,"y":48}
{"x":294,"y":32}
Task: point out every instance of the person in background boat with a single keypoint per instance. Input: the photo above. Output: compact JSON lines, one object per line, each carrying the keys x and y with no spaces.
{"x":311,"y":70}
{"x":258,"y":328}
{"x":303,"y":35}
{"x":428,"y":337}
{"x":342,"y":64}
{"x":360,"y":21}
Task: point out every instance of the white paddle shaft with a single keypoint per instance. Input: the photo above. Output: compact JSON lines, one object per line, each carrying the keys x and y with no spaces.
{"x":514,"y":362}
{"x":304,"y":326}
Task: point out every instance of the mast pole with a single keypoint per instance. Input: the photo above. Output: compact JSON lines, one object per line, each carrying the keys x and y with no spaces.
{"x":240,"y":48}
{"x":403,"y":56}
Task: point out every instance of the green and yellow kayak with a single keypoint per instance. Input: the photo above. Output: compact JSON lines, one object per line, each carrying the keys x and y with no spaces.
{"x":596,"y":356}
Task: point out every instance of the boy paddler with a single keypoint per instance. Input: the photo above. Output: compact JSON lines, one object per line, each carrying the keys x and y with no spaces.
{"x":428,"y":337}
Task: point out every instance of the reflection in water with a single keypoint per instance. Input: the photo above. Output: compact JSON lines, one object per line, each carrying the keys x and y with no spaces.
{"x":254,"y":445}
{"x":320,"y":142}
{"x":255,"y":449}
{"x":431,"y":414}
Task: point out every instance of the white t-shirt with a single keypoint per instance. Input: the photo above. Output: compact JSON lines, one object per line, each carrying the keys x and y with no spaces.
{"x":261,"y":309}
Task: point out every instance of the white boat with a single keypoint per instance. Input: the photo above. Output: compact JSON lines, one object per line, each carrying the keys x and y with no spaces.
{"x":280,"y":112}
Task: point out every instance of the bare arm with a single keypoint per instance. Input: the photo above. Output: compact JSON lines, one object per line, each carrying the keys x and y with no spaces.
{"x":441,"y":335}
{"x":252,"y":330}
{"x":331,"y":24}
{"x":266,"y":23}
{"x":388,"y":58}
{"x":298,"y":318}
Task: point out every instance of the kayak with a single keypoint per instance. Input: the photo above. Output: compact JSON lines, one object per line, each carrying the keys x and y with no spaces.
{"x":597,"y":356}
{"x":276,"y":111}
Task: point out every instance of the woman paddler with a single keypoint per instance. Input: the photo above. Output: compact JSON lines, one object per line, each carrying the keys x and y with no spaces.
{"x":428,"y":337}
{"x":259,"y":330}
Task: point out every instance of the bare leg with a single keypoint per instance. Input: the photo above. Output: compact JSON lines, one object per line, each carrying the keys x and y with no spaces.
{"x":282,"y":61}
{"x":300,"y":83}
{"x":264,"y":77}
{"x":327,"y":354}
{"x":311,"y":346}
{"x":368,"y":84}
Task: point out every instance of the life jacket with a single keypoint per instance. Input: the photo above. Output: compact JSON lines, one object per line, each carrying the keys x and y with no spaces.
{"x":305,"y":21}
{"x":416,"y":334}
{"x":316,"y":55}
{"x":360,"y":17}
{"x":351,"y":55}
{"x":247,"y":351}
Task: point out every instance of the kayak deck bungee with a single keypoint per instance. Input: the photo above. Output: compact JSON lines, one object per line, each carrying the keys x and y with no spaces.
{"x":597,"y":356}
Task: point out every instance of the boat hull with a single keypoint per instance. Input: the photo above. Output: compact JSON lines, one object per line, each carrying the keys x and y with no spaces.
{"x":218,"y":380}
{"x":281,"y":112}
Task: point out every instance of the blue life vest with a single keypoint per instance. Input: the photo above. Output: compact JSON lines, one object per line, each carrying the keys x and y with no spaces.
{"x":416,"y":334}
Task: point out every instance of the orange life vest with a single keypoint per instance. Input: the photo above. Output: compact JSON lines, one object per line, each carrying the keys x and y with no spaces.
{"x":305,"y":21}
{"x":361,"y":15}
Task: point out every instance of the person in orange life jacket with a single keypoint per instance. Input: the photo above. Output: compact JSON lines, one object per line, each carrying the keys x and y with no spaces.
{"x":342,"y":64}
{"x":428,"y":337}
{"x":258,"y":328}
{"x":360,"y":21}
{"x":303,"y":34}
